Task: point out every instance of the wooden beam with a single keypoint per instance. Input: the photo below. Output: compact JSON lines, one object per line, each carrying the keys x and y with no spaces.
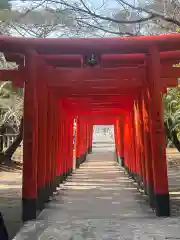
{"x":17,"y":77}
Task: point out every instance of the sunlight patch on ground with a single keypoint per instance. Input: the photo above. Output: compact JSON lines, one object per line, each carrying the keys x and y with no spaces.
{"x":5,"y":186}
{"x":81,"y":187}
{"x":174,"y":193}
{"x":92,"y":184}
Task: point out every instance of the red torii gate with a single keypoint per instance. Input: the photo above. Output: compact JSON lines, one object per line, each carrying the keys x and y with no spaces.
{"x":126,"y":83}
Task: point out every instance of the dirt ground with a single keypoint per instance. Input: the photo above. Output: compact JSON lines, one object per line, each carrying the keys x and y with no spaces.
{"x":10,"y":193}
{"x":11,"y":182}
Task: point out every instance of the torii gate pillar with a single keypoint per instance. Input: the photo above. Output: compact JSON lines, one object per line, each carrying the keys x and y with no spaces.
{"x":158,"y":142}
{"x":29,"y":188}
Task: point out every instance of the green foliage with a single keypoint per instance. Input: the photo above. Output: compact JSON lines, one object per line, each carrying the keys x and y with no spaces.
{"x":172,"y":116}
{"x":172,"y":109}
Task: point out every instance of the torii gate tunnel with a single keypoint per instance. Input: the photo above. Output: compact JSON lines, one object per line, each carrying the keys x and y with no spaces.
{"x":118,"y":81}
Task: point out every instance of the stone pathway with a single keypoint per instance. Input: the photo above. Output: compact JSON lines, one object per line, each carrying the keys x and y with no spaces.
{"x":99,"y":202}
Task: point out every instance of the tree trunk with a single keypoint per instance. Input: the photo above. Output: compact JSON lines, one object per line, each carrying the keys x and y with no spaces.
{"x":11,"y":150}
{"x":3,"y":230}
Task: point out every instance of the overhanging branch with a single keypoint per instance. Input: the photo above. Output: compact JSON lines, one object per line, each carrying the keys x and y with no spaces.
{"x":106,"y":18}
{"x":106,"y":30}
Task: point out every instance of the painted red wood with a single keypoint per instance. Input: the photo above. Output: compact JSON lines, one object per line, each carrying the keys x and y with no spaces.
{"x":124,"y":89}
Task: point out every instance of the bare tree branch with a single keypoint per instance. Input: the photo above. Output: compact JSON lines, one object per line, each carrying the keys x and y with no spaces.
{"x":81,"y":18}
{"x":89,"y":12}
{"x":106,"y":30}
{"x":153,"y":13}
